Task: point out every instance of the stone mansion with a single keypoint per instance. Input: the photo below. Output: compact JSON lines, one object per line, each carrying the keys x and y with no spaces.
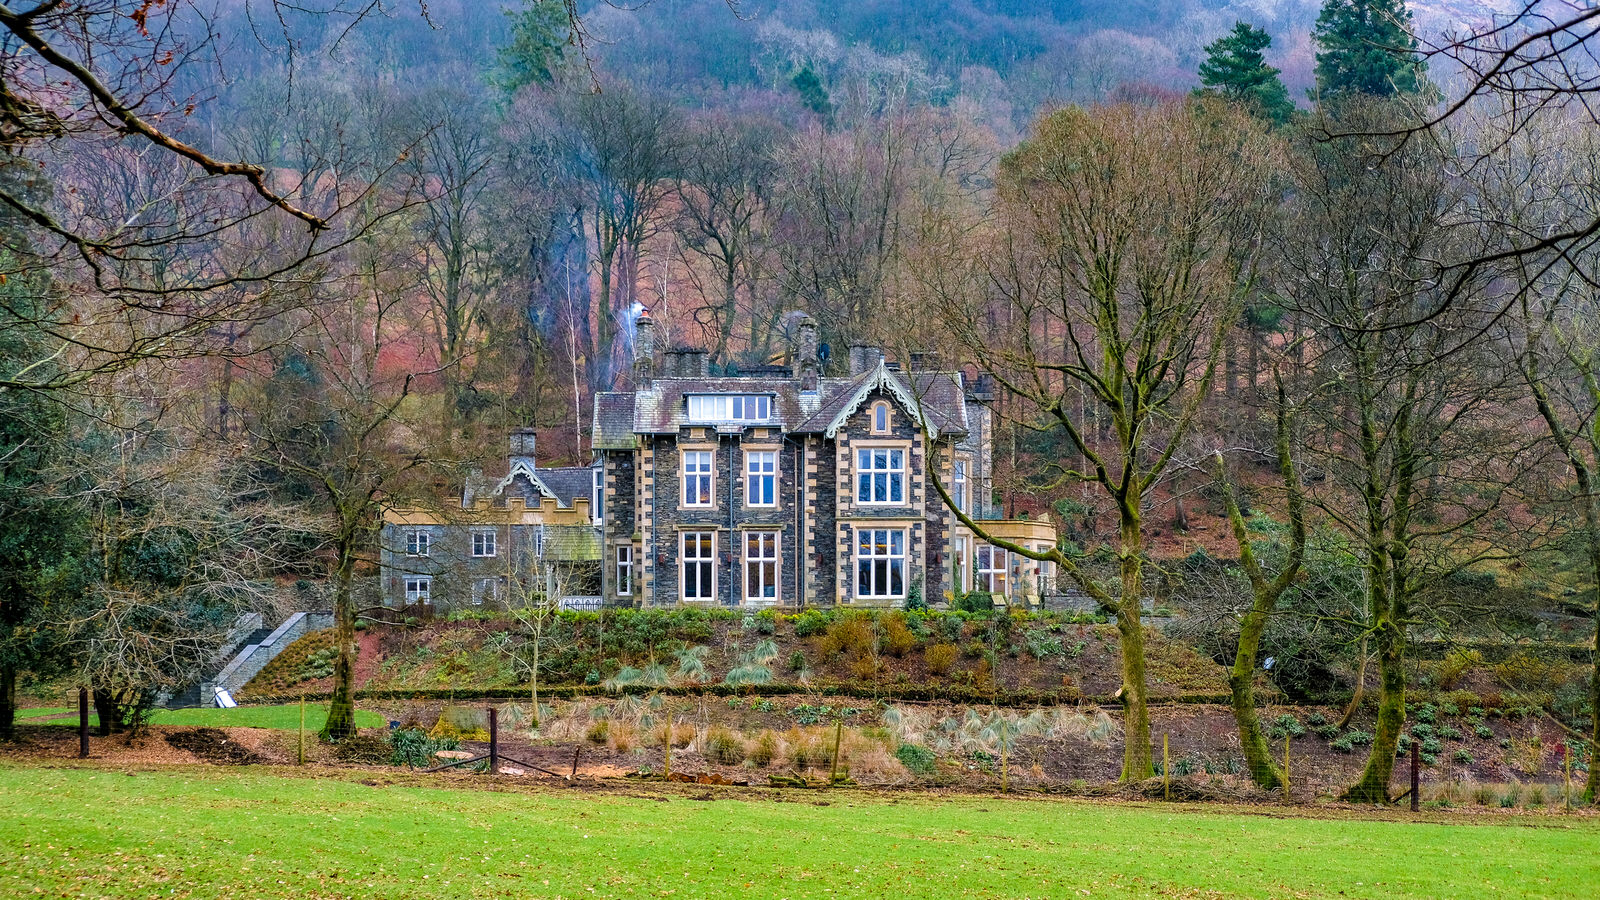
{"x":777,"y":487}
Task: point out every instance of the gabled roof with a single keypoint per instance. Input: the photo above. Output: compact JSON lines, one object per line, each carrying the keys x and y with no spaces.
{"x":563,"y":485}
{"x":662,"y":408}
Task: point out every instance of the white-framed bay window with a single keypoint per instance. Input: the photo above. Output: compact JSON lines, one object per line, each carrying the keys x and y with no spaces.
{"x":699,"y":477}
{"x":880,"y":563}
{"x":991,"y":571}
{"x":958,"y":486}
{"x":625,"y":570}
{"x":881,"y":476}
{"x":697,"y":551}
{"x":760,"y":478}
{"x":761,"y":567}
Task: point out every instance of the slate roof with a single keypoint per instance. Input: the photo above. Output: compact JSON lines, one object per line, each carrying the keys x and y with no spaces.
{"x":564,"y":484}
{"x":619,"y":416}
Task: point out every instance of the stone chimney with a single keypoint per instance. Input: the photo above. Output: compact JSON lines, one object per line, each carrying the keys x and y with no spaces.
{"x":687,"y":362}
{"x":864,"y":358}
{"x":644,"y":351}
{"x":523,"y":442}
{"x":805,"y":357}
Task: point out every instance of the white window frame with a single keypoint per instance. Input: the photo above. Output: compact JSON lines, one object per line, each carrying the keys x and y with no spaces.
{"x":706,"y":564}
{"x":624,"y":561}
{"x":867,"y":471}
{"x":729,"y":407}
{"x":878,"y":569}
{"x":761,"y":470}
{"x":991,"y":569}
{"x":695,"y":476}
{"x":486,"y":589}
{"x":765,"y":569}
{"x":418,"y":542}
{"x":960,"y":566}
{"x":597,"y":498}
{"x":880,"y":417}
{"x":959,"y":485}
{"x":419,"y":589}
{"x":485,"y":544}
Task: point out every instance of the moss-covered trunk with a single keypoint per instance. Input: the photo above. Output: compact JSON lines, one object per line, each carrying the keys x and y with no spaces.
{"x":1137,"y":763}
{"x":1373,"y":786}
{"x":342,"y":709}
{"x":1241,"y":688}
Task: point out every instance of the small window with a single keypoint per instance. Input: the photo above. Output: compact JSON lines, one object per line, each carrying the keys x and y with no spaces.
{"x":991,"y":571}
{"x":419,"y":589}
{"x":697,"y":554}
{"x":880,"y":475}
{"x":483,"y":543}
{"x":961,"y":567}
{"x":761,"y":567}
{"x":417,"y":543}
{"x":486,"y":589}
{"x":729,"y":407}
{"x":597,"y":511}
{"x":880,"y":418}
{"x":698,"y":478}
{"x":625,"y":570}
{"x":958,"y":490}
{"x":761,"y":478}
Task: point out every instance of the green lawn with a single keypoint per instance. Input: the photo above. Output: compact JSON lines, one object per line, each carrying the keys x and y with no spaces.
{"x":283,"y":718}
{"x":241,"y":833}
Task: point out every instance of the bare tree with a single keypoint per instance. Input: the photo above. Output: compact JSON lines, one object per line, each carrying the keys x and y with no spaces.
{"x":1109,"y":268}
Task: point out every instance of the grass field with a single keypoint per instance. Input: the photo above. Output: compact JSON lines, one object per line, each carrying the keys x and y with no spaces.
{"x":240,"y":833}
{"x":283,"y":718}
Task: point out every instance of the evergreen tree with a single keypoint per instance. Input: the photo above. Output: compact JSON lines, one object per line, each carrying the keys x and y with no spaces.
{"x":1236,"y":69}
{"x":541,"y":32}
{"x":812,"y":94}
{"x":1366,"y":47}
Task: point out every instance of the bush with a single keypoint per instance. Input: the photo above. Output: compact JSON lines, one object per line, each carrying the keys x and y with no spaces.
{"x":797,"y":661}
{"x":599,"y":732}
{"x":850,"y":633}
{"x":1284,"y":726}
{"x":1449,"y":732}
{"x":1042,"y":643}
{"x":1463,"y":756}
{"x":1426,"y":713}
{"x":978,"y":603}
{"x":764,"y":750}
{"x":940,"y":657}
{"x":1483,"y":731}
{"x":412,"y":747}
{"x":917,"y":759}
{"x":723,"y":747}
{"x":897,"y":637}
{"x":811,"y":622}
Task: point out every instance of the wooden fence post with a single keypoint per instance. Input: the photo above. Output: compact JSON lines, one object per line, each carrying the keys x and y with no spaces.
{"x":1166,"y":768}
{"x":1416,"y":775}
{"x":666,"y":768}
{"x":1286,"y":768}
{"x":838,"y":735}
{"x":494,"y":741}
{"x":83,"y":723}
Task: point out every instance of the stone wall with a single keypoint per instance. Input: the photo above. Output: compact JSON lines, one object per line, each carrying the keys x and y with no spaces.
{"x":254,"y":657}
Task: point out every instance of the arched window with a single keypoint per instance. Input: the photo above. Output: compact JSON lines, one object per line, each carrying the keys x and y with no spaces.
{"x":880,"y":418}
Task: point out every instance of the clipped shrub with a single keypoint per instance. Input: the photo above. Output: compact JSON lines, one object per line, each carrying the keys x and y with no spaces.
{"x":940,"y":657}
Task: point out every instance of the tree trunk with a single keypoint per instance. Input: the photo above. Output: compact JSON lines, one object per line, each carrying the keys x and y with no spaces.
{"x":1361,"y":689}
{"x":1373,"y":786}
{"x":342,"y":709}
{"x":1137,"y":764}
{"x":8,"y":702}
{"x":1241,"y":685}
{"x":105,"y":706}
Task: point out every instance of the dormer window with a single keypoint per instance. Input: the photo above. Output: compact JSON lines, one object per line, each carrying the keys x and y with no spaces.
{"x":729,"y":407}
{"x":880,"y":417}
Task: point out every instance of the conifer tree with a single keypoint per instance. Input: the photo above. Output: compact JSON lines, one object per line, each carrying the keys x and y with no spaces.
{"x":1366,"y":47}
{"x":1235,"y":68}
